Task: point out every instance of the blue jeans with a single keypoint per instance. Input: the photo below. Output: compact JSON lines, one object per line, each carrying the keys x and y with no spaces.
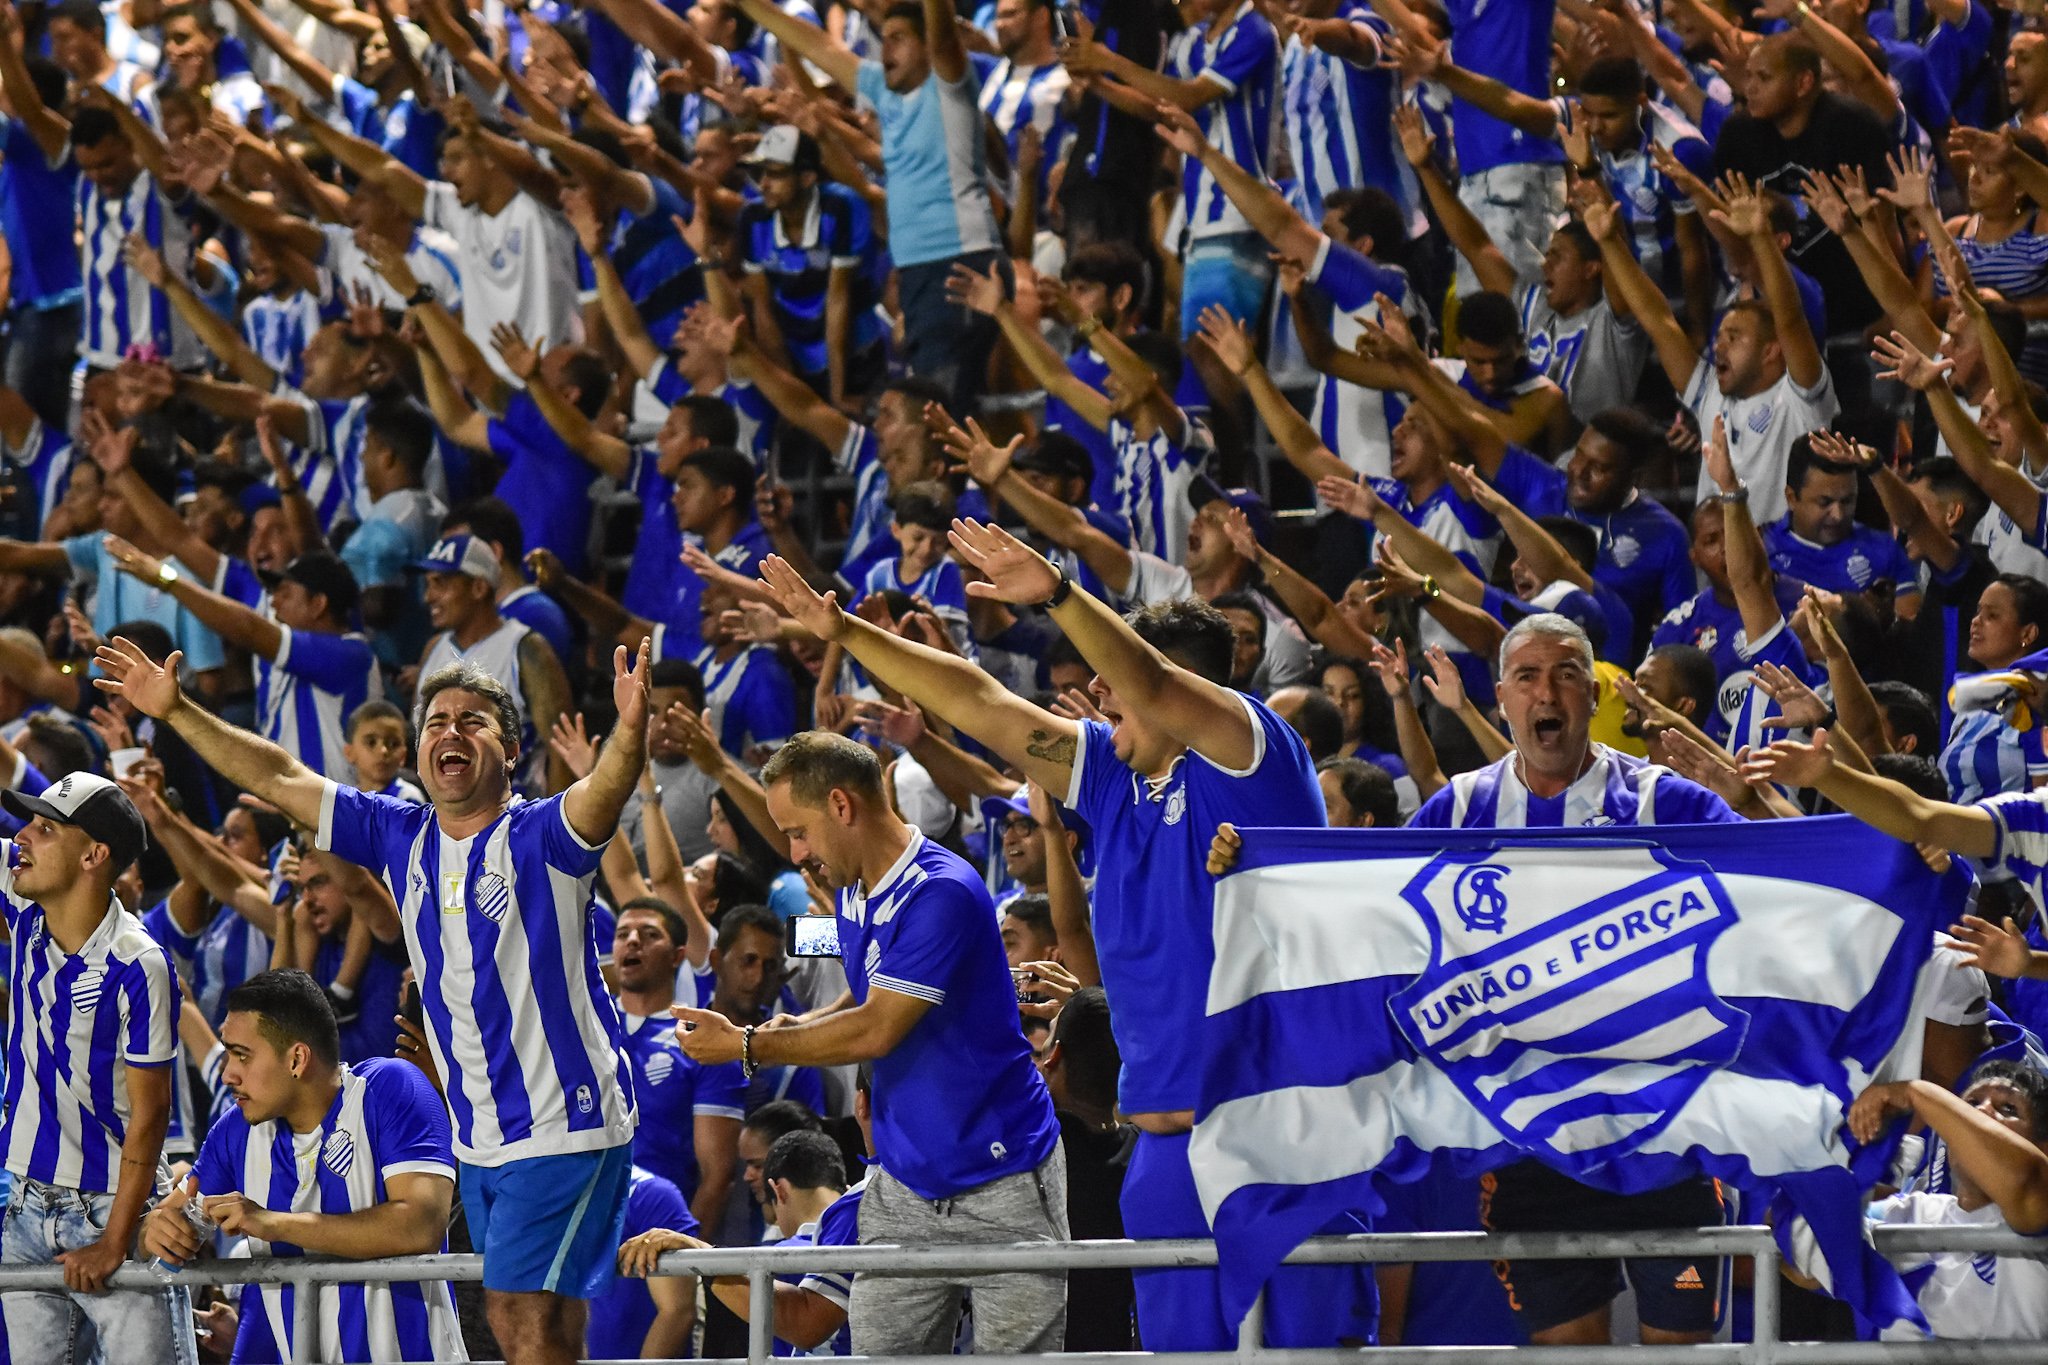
{"x":943,"y":341}
{"x":1231,"y":271}
{"x":41,"y":346}
{"x":54,"y":1326}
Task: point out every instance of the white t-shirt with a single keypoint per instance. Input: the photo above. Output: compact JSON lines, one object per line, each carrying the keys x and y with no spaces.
{"x":1960,"y":991}
{"x":1761,"y":430}
{"x":517,"y":266}
{"x":432,"y":256}
{"x":1969,"y":1297}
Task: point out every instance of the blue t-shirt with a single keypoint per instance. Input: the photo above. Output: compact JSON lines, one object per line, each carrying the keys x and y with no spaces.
{"x":542,"y":615}
{"x":1705,"y":622}
{"x":1645,"y":555}
{"x":1092,"y":370}
{"x":673,"y":1090}
{"x":934,"y":165}
{"x":957,"y":1103}
{"x":657,"y":267}
{"x":1850,"y":565}
{"x":1510,"y":43}
{"x":621,"y":1316}
{"x":374,"y":1030}
{"x":750,"y":697}
{"x":36,"y":213}
{"x":683,"y":611}
{"x":545,"y":482}
{"x":1153,"y":897}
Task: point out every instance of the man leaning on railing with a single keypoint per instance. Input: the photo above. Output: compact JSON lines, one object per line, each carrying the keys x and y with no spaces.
{"x":318,"y":1157}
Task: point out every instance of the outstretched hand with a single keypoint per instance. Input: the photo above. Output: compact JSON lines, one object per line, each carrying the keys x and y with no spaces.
{"x":150,"y":687}
{"x":816,"y":613}
{"x":1014,"y":572}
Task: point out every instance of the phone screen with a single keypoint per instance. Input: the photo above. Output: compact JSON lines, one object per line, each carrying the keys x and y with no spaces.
{"x":814,"y":936}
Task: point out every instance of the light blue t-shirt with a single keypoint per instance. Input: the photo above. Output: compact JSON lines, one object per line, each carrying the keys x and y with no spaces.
{"x":932,"y":158}
{"x":119,"y":598}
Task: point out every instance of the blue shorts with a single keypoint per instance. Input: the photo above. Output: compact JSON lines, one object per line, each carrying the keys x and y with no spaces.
{"x":1182,"y":1310}
{"x":558,"y":1221}
{"x":1232,"y":270}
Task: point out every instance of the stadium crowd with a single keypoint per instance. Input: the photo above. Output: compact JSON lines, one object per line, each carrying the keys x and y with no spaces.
{"x":517,"y":520}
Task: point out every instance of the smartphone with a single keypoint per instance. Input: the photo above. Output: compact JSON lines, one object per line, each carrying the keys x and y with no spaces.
{"x":813,"y":936}
{"x":1063,"y":25}
{"x":409,"y":1005}
{"x":1023,"y":981}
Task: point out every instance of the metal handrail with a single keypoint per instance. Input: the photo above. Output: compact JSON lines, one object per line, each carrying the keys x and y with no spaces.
{"x":760,"y":1265}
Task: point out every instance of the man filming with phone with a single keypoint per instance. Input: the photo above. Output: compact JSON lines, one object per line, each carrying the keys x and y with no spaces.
{"x":963,"y":1127}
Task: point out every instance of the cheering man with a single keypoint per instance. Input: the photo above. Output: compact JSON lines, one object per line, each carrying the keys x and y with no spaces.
{"x":494,"y":900}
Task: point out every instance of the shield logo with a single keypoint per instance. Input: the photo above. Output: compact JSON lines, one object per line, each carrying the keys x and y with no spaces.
{"x":660,"y":1064}
{"x":1569,"y":1001}
{"x":493,"y":897}
{"x":85,"y":989}
{"x":338,"y":1154}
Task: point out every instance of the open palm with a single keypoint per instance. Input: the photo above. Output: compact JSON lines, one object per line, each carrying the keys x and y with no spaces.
{"x":1016,"y":573}
{"x":150,"y":687}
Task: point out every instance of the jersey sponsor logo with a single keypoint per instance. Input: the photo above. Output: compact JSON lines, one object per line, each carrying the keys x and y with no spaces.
{"x":1618,"y":952}
{"x":493,"y":897}
{"x":338,"y":1153}
{"x":1735,"y":689}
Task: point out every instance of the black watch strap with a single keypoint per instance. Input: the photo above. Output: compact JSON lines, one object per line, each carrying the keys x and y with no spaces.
{"x":1061,"y":590}
{"x":424,"y":294}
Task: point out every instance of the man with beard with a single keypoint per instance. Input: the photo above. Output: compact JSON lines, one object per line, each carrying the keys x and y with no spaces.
{"x":964,"y":1130}
{"x":494,"y":897}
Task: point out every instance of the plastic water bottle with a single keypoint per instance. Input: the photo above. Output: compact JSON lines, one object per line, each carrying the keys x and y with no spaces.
{"x":195,"y":1214}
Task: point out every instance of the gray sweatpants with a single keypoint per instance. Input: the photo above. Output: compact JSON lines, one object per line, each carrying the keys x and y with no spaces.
{"x":1014,"y":1313}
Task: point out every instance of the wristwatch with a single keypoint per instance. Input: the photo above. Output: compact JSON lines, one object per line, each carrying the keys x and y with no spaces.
{"x":1060,"y":590}
{"x":1739,"y":493}
{"x":1431,"y":588}
{"x":424,"y":294}
{"x":167,"y":574}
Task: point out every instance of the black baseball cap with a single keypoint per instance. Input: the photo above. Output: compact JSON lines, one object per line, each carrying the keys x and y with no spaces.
{"x":1205,"y":490}
{"x":94,"y":805}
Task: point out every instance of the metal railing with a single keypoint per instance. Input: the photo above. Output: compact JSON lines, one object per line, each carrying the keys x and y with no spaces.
{"x":760,"y":1266}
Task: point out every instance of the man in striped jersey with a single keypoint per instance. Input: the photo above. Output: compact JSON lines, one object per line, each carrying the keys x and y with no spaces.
{"x":1558,"y":777}
{"x":1028,"y":87}
{"x":91,"y":1034}
{"x":321,"y":1158}
{"x":493,"y":896}
{"x":1339,"y":100}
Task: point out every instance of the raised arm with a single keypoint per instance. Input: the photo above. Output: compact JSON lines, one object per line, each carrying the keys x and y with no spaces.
{"x":1749,"y":567}
{"x":2012,"y":492}
{"x":663,"y":32}
{"x":955,"y":690}
{"x":1746,"y":214}
{"x":273,"y":35}
{"x":50,"y":129}
{"x":989,"y":465}
{"x":1425,"y":57}
{"x":1860,"y":77}
{"x":1087,"y":57}
{"x":942,"y":41}
{"x":606,"y":452}
{"x":1264,"y":207}
{"x":1537,"y":548}
{"x":1209,"y":718}
{"x":593,"y":803}
{"x":216,"y":332}
{"x":1293,"y":433}
{"x":1646,"y":302}
{"x":986,"y":294}
{"x":233,"y":622}
{"x":1468,"y":235}
{"x":810,"y":42}
{"x":249,"y":761}
{"x":1304,"y":601}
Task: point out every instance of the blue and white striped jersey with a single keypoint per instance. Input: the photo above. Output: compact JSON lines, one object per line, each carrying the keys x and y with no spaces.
{"x":1340,"y":119}
{"x":1153,"y":475}
{"x":76,"y":1023}
{"x":941,"y":585}
{"x":278,"y":329}
{"x":226,"y":951}
{"x":1649,"y":201}
{"x":121,"y":309}
{"x":1245,"y":61}
{"x":500,"y":933}
{"x":306,"y":694}
{"x":385,"y":1121}
{"x":1014,"y":98}
{"x":1986,"y":751}
{"x":1616,"y":789}
{"x":867,"y":534}
{"x":329,"y":467}
{"x":1355,"y":422}
{"x":1742,"y":707}
{"x":750,"y":697}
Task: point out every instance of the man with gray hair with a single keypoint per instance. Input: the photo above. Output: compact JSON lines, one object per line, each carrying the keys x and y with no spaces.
{"x":493,"y":896}
{"x":967,"y":1145}
{"x":1557,"y":777}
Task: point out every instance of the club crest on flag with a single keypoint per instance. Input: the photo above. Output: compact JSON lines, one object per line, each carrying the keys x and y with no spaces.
{"x":1571,"y":1003}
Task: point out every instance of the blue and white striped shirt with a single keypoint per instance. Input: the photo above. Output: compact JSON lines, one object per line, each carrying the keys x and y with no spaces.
{"x":306,"y":694}
{"x":226,"y":951}
{"x":500,"y":933}
{"x":385,"y":1121}
{"x":1245,"y":61}
{"x":76,"y":1023}
{"x":1649,"y":201}
{"x":1986,"y":753}
{"x":45,"y":459}
{"x":1153,"y":475}
{"x":1340,"y":119}
{"x":121,"y":309}
{"x":1615,"y":789}
{"x":867,"y":533}
{"x":278,"y":330}
{"x":1018,"y":97}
